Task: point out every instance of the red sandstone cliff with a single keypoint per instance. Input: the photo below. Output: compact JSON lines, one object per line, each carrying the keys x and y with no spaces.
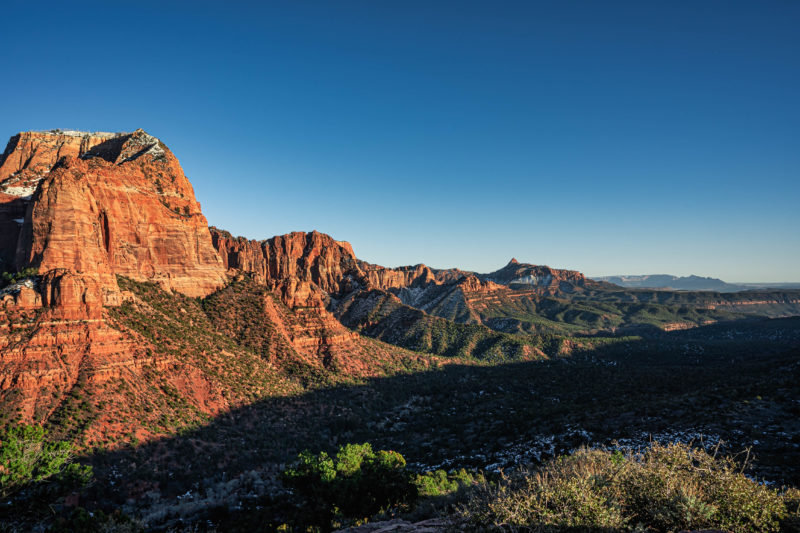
{"x":303,"y":269}
{"x":311,"y":257}
{"x":81,"y":208}
{"x":396,"y":278}
{"x":319,"y":258}
{"x":307,"y":268}
{"x":84,"y":208}
{"x":104,"y":204}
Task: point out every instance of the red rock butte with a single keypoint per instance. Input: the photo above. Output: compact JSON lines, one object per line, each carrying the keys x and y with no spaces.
{"x":101,"y":204}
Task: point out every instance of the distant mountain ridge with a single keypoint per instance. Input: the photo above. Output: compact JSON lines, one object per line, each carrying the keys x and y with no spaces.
{"x":668,"y":281}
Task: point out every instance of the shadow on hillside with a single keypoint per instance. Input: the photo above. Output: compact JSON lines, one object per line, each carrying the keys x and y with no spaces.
{"x":476,"y":416}
{"x":108,"y":149}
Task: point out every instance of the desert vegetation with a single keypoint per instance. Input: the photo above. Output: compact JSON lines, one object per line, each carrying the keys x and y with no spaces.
{"x":355,"y":484}
{"x":661,"y":488}
{"x":35,"y":472}
{"x":669,"y":487}
{"x":458,"y":419}
{"x":10,"y":277}
{"x":712,"y":384}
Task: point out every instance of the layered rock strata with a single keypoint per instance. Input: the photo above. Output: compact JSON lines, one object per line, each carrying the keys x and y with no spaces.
{"x":104,"y":204}
{"x":76,"y":210}
{"x":290,"y":262}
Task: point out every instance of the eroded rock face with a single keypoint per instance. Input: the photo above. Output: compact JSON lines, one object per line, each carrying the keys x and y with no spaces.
{"x":472,"y":283}
{"x":537,"y":277}
{"x":408,"y":276}
{"x":104,"y":204}
{"x":26,"y":161}
{"x":66,"y":294}
{"x":37,"y":152}
{"x":320,"y":259}
{"x":396,"y":278}
{"x":314,"y":270}
{"x":44,"y":350}
{"x":303,"y":270}
{"x":285,"y":260}
{"x":315,"y":257}
{"x":81,"y":208}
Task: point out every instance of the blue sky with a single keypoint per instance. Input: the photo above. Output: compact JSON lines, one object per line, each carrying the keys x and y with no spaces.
{"x":607,"y":137}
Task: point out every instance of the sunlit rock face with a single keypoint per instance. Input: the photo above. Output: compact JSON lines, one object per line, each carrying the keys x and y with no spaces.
{"x":292,"y":261}
{"x":101,"y":204}
{"x":77,"y":209}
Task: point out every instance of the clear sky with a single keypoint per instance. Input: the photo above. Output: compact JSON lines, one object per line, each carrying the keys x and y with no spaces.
{"x":608,"y":137}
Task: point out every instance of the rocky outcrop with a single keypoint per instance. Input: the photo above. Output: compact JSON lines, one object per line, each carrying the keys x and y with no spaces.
{"x":380,"y":277}
{"x":76,"y":210}
{"x":45,"y":352}
{"x":67,"y":294}
{"x":27,"y":160}
{"x":396,"y":278}
{"x":539,"y":277}
{"x":238,"y":253}
{"x":333,"y":267}
{"x":473,"y":283}
{"x":285,"y":260}
{"x":314,"y":271}
{"x":100,"y":205}
{"x":37,"y":152}
{"x":319,"y":258}
{"x":314,"y":333}
{"x":304,"y":270}
{"x":314,"y":257}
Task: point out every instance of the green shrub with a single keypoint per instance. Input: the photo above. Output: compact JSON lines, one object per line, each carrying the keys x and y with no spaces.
{"x":791,"y":523}
{"x":27,"y":458}
{"x":441,"y":491}
{"x":355,"y":484}
{"x":682,"y":487}
{"x":9,"y":278}
{"x":667,"y":488}
{"x":439,"y":483}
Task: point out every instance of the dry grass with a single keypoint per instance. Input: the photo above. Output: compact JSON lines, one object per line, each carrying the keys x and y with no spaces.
{"x":667,"y":488}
